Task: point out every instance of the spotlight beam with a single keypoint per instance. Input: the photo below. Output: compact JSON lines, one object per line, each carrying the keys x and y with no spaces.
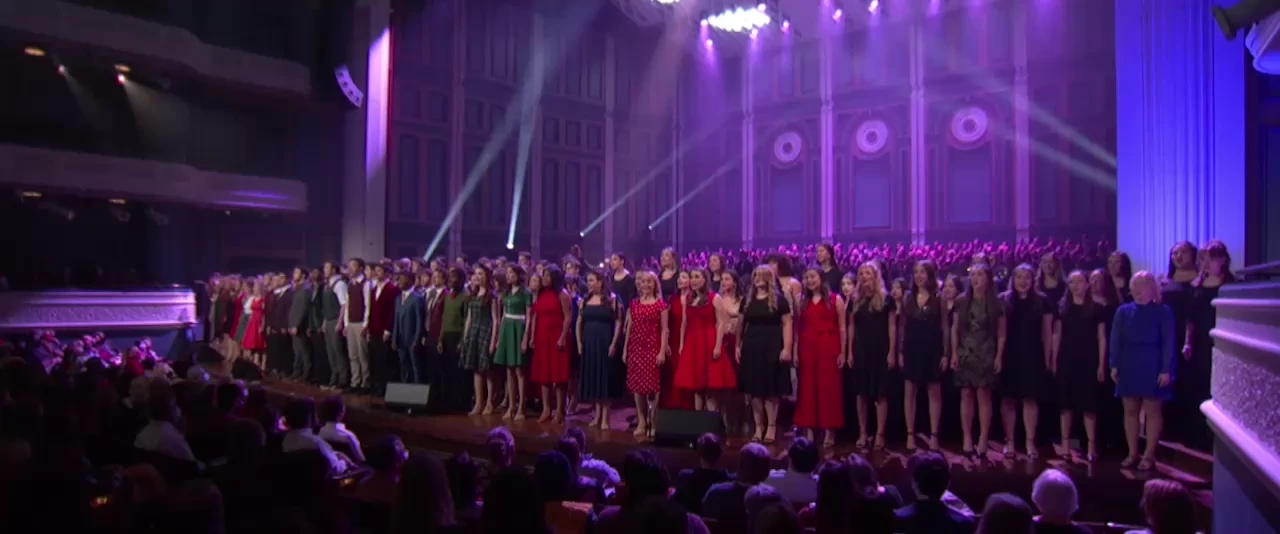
{"x":528,"y":97}
{"x":522,"y":170}
{"x":724,"y":168}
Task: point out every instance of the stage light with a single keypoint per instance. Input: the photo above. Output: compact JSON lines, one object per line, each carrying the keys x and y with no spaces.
{"x":62,"y":70}
{"x":651,"y":227}
{"x":838,"y":14}
{"x":121,"y":79}
{"x":1243,"y":15}
{"x":667,"y":2}
{"x":740,"y":20}
{"x":786,"y":25}
{"x":873,"y":5}
{"x":755,"y":33}
{"x":116,"y":201}
{"x":511,"y":246}
{"x":762,"y":7}
{"x":33,"y":51}
{"x":710,"y":43}
{"x":582,"y":234}
{"x":704,"y":23}
{"x":32,"y":194}
{"x":123,"y":69}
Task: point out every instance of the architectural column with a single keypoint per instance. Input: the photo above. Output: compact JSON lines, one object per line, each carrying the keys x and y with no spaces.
{"x":457,"y":122}
{"x":364,"y":184}
{"x":609,"y":189}
{"x":534,"y":171}
{"x":1179,"y":130}
{"x":827,"y":142}
{"x":918,"y":207}
{"x":748,"y":153}
{"x":1021,"y":127}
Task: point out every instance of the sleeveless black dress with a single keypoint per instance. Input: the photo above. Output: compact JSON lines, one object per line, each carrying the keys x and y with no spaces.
{"x":1023,"y":374}
{"x":1077,"y":379}
{"x":923,"y":343}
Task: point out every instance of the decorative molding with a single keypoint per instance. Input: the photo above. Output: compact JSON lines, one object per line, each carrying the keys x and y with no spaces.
{"x":95,"y":174}
{"x":82,"y":26}
{"x":1261,"y":461}
{"x":100,"y":310}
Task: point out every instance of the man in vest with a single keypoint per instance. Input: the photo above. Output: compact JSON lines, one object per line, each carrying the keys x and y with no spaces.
{"x":355,"y":314}
{"x":299,"y":318}
{"x":333,"y":300}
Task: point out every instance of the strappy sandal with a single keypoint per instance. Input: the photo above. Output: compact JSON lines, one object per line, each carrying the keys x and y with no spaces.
{"x":1146,"y":464}
{"x":861,"y":443}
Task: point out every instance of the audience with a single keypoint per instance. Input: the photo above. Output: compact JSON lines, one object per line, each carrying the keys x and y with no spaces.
{"x":1006,"y":514}
{"x":583,"y":489}
{"x":798,"y":483}
{"x":692,"y":484}
{"x":160,"y":435}
{"x":464,"y":484}
{"x":724,"y":501}
{"x":556,"y":485}
{"x":644,"y":479}
{"x":501,"y":448}
{"x":331,"y":412}
{"x":386,"y":460}
{"x":599,"y":470}
{"x":1169,"y":508}
{"x":299,"y":416}
{"x":1054,"y":494}
{"x":930,"y":476}
{"x":511,"y":505}
{"x":756,"y":499}
{"x":776,"y":518}
{"x":873,"y":505}
{"x":422,"y":501}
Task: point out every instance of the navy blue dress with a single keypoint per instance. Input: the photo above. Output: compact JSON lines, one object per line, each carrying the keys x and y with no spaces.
{"x":1141,"y":348}
{"x":599,"y":380}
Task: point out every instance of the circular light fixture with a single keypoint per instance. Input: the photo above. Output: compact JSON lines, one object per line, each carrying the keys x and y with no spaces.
{"x":511,"y":246}
{"x":62,"y":70}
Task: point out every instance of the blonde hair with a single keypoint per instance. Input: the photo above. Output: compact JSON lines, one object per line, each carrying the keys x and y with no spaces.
{"x":766,"y":272}
{"x":652,"y":277}
{"x":873,"y":292}
{"x":1146,"y":277}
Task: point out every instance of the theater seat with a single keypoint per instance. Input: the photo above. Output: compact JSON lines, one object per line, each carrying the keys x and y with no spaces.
{"x":174,"y":470}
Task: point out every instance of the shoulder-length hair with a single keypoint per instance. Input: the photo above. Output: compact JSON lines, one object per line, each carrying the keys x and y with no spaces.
{"x":1146,"y":277}
{"x":1038,"y":280}
{"x":606,"y":297}
{"x":766,"y":272}
{"x":930,"y":276}
{"x":557,"y":278}
{"x":1126,"y":265}
{"x":783,"y":262}
{"x":822,"y":292}
{"x":873,"y":294}
{"x":652,"y":277}
{"x":1214,"y":249}
{"x":1033,"y":293}
{"x":991,"y":297}
{"x":1068,"y":300}
{"x":488,"y":280}
{"x":1109,"y":291}
{"x":737,"y":283}
{"x":1195,"y":254}
{"x":700,"y":298}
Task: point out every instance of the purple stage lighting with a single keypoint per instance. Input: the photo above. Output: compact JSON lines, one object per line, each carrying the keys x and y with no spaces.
{"x":873,"y":5}
{"x":709,"y":43}
{"x":704,"y":23}
{"x":762,"y":7}
{"x":755,"y":33}
{"x":838,"y":14}
{"x":786,"y":25}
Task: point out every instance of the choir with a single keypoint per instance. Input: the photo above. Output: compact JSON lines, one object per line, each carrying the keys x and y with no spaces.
{"x":698,"y":336}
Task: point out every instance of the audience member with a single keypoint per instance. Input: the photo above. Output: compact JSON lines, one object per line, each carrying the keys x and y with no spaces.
{"x":757,"y":498}
{"x":592,"y":467}
{"x":332,"y":411}
{"x":1169,"y":507}
{"x":644,"y":478}
{"x":873,"y":505}
{"x":464,"y":485}
{"x":584,"y":489}
{"x":798,"y":483}
{"x":511,"y":506}
{"x":1006,"y":514}
{"x":660,"y":515}
{"x":160,"y":435}
{"x":386,"y":459}
{"x":829,"y":513}
{"x":299,"y":415}
{"x":1055,"y":496}
{"x":692,"y":484}
{"x":422,"y":501}
{"x":240,"y":477}
{"x":501,"y":447}
{"x":554,"y":475}
{"x":777,"y":518}
{"x":930,"y":476}
{"x":724,"y":501}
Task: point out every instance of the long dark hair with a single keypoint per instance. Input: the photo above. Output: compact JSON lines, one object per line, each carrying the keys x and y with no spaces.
{"x":1195,"y":252}
{"x":1068,"y":300}
{"x":991,"y":297}
{"x":823,"y":292}
{"x":556,"y":276}
{"x":1034,"y":296}
{"x":835,"y":491}
{"x":1215,"y":250}
{"x":1126,"y":265}
{"x":700,"y":298}
{"x":606,"y":297}
{"x":1109,"y":290}
{"x":488,"y":277}
{"x":931,"y":277}
{"x":831,"y":254}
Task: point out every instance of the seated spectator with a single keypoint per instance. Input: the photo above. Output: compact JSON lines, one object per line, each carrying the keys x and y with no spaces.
{"x":160,"y":435}
{"x":591,"y":467}
{"x":692,"y":484}
{"x":554,"y":476}
{"x":776,"y":518}
{"x":584,"y":489}
{"x":195,"y":507}
{"x":873,"y":505}
{"x":501,"y":446}
{"x":757,"y":498}
{"x":386,"y":458}
{"x":829,"y":512}
{"x":332,"y":411}
{"x":798,"y":483}
{"x":510,"y":506}
{"x":1006,"y":514}
{"x":1169,"y":508}
{"x":660,"y":514}
{"x":464,"y":485}
{"x":930,"y":476}
{"x":1055,"y":496}
{"x":422,"y":502}
{"x":299,"y":415}
{"x":724,"y":501}
{"x":644,"y":481}
{"x":248,"y":499}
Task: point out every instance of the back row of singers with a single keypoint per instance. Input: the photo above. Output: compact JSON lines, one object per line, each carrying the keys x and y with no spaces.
{"x":846,"y":346}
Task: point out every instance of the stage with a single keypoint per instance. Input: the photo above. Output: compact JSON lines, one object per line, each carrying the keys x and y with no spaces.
{"x":1107,"y":492}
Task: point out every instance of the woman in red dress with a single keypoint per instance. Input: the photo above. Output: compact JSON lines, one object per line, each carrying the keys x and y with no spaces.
{"x":550,"y":343}
{"x":231,"y":320}
{"x":700,"y":342}
{"x":645,"y":349}
{"x":820,"y":357}
{"x":253,"y":338}
{"x":674,"y":396}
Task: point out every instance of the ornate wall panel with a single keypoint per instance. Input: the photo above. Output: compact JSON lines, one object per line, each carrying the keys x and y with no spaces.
{"x":872,"y":160}
{"x":970,"y":167}
{"x":786,"y":159}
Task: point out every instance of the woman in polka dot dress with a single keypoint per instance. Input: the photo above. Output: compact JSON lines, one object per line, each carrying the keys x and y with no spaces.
{"x":645,"y":348}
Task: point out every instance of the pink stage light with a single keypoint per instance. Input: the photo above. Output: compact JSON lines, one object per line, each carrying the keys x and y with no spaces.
{"x":62,"y":70}
{"x":710,"y":43}
{"x":120,"y":79}
{"x":704,"y":23}
{"x":838,"y":14}
{"x":786,"y":25}
{"x":755,"y":33}
{"x":873,"y":5}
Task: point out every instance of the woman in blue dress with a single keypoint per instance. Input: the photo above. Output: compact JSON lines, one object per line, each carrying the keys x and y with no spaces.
{"x":1142,"y":351}
{"x":599,"y":326}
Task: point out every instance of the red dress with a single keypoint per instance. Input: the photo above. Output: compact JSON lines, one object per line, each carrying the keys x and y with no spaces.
{"x":694,"y":371}
{"x":253,"y":338}
{"x":674,"y":396}
{"x":819,"y":401}
{"x":643,"y":345}
{"x":550,"y":365}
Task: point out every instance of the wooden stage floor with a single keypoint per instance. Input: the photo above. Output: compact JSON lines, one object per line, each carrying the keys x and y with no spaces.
{"x":1107,"y":492}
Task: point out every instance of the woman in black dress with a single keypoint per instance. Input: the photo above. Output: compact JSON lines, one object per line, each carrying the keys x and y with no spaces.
{"x":923,"y":357}
{"x":1024,"y":375}
{"x":874,"y":317}
{"x":1050,"y":280}
{"x":1215,"y":270}
{"x":599,"y":330}
{"x":1079,"y":360}
{"x":831,"y":274}
{"x":1102,"y":290}
{"x":1120,"y":270}
{"x":764,"y":353}
{"x":622,"y":283}
{"x":1175,"y":292}
{"x":715,"y":266}
{"x":669,"y":273}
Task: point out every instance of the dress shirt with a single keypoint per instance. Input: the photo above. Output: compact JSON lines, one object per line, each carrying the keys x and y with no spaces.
{"x":338,"y":433}
{"x":305,"y":439}
{"x":161,"y":437}
{"x":339,"y":287}
{"x":365,"y":286}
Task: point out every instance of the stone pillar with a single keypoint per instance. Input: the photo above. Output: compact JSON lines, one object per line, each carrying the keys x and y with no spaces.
{"x":827,"y":141}
{"x":457,"y":123}
{"x":364,"y":213}
{"x":610,"y":186}
{"x":1021,"y":127}
{"x":1179,"y":130}
{"x":918,"y":207}
{"x":748,"y":153}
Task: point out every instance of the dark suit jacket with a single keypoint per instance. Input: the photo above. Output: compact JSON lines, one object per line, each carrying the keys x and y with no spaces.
{"x":278,"y":309}
{"x":692,"y":485}
{"x":382,"y":309}
{"x":410,"y":319}
{"x":300,"y":307}
{"x":931,"y":517}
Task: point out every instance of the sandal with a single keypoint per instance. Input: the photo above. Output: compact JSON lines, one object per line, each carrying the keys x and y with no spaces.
{"x":911,"y":442}
{"x":830,"y":441}
{"x":981,"y":450}
{"x":1146,"y":464}
{"x":861,"y":443}
{"x":879,"y":444}
{"x":1128,"y":462}
{"x":770,"y":435}
{"x":1032,"y":452}
{"x":933,"y":442}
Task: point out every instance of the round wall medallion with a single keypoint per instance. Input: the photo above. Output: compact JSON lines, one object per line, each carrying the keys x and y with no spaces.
{"x":969,"y":124}
{"x":787,"y":147}
{"x":872,"y":136}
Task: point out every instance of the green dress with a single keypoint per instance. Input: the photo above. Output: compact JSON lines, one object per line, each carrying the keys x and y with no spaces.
{"x":515,"y":307}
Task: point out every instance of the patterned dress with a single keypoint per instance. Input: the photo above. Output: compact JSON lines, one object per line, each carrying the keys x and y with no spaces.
{"x":977,"y":347}
{"x":515,"y":307}
{"x":475,"y":355}
{"x":643,"y":344}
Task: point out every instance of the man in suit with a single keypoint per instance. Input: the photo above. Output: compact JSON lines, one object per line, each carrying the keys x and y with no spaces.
{"x":407,"y":332}
{"x":930,"y":475}
{"x":279,"y":353}
{"x":315,"y":329}
{"x":298,"y":322}
{"x":382,"y":310}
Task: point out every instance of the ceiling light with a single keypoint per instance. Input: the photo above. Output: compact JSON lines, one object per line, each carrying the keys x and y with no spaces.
{"x":33,"y":51}
{"x":120,"y":78}
{"x":116,"y":201}
{"x":32,"y":194}
{"x":122,"y":68}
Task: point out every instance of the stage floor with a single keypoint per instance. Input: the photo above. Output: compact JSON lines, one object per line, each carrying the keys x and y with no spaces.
{"x":1107,"y":492}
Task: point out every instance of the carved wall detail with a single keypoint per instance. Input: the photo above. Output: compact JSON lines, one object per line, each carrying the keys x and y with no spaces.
{"x":100,"y":310}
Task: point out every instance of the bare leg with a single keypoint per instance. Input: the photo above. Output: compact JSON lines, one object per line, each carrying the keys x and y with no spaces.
{"x":604,"y":416}
{"x":546,"y":404}
{"x":642,"y":414}
{"x":1009,"y":422}
{"x":771,"y":412}
{"x":492,"y":381}
{"x":1064,"y":429}
{"x":511,"y":394}
{"x":521,"y":384}
{"x":1155,"y":425}
{"x":909,"y":412}
{"x":966,"y":419}
{"x":861,"y":407}
{"x":1030,"y":420}
{"x":1132,"y":406}
{"x":935,"y":412}
{"x":757,"y":417}
{"x":1090,"y":432}
{"x":882,"y":416}
{"x":477,"y":383}
{"x":984,"y":419}
{"x":559,"y":413}
{"x":699,"y":401}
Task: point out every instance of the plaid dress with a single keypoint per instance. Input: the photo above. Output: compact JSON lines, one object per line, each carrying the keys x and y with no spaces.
{"x":475,"y":355}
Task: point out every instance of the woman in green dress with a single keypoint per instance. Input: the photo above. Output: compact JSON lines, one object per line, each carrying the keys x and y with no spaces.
{"x":512,"y":340}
